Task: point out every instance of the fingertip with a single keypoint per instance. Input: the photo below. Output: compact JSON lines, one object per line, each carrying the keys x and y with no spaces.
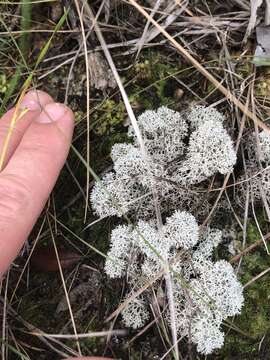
{"x":53,"y":112}
{"x":57,"y":114}
{"x":35,"y":100}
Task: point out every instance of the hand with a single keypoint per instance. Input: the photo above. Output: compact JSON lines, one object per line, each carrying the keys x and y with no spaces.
{"x":36,"y":152}
{"x":35,"y":155}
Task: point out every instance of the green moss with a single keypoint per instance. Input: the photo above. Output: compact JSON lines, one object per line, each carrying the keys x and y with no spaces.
{"x":143,"y":70}
{"x":255,"y":315}
{"x":244,"y":67}
{"x":109,"y":115}
{"x":153,"y":84}
{"x":253,"y":233}
{"x":262,"y":83}
{"x":79,"y":115}
{"x":254,"y":321}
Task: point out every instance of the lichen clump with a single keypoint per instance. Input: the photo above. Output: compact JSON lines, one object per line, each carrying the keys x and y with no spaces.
{"x":256,"y":175}
{"x":205,"y":292}
{"x":182,"y":151}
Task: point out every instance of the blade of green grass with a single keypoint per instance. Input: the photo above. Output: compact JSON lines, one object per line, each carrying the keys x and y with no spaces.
{"x":23,"y":49}
{"x":15,"y":351}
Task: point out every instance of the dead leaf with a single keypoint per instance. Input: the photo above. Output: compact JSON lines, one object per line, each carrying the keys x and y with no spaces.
{"x":44,"y":259}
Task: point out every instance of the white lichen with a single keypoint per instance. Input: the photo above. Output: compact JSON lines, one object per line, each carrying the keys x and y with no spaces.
{"x":181,"y":230}
{"x":136,"y":314}
{"x":210,"y":151}
{"x":264,"y":140}
{"x":207,"y":335}
{"x":199,"y":115}
{"x":255,"y":178}
{"x":182,"y":151}
{"x":175,"y":162}
{"x":119,"y":248}
{"x":205,"y":292}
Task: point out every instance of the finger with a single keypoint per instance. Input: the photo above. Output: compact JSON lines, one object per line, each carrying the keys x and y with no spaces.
{"x":34,"y":101}
{"x":29,"y":177}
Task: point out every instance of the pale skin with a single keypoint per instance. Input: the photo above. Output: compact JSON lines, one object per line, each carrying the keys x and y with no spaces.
{"x":36,"y":153}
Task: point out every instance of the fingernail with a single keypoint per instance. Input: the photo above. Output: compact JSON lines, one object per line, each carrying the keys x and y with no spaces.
{"x":35,"y":100}
{"x":52,"y":112}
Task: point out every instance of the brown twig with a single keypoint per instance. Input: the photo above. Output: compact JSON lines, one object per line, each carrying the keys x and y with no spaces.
{"x":257,"y":277}
{"x":250,"y":248}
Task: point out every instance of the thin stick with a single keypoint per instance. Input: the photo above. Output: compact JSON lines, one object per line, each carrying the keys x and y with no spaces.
{"x":80,"y":14}
{"x":27,"y":261}
{"x":256,"y":277}
{"x":140,"y":43}
{"x":64,"y":287}
{"x":31,"y":328}
{"x":117,"y":79}
{"x":81,"y":336}
{"x":250,"y":248}
{"x":132,"y":297}
{"x":17,"y":115}
{"x":142,"y":289}
{"x":170,"y":297}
